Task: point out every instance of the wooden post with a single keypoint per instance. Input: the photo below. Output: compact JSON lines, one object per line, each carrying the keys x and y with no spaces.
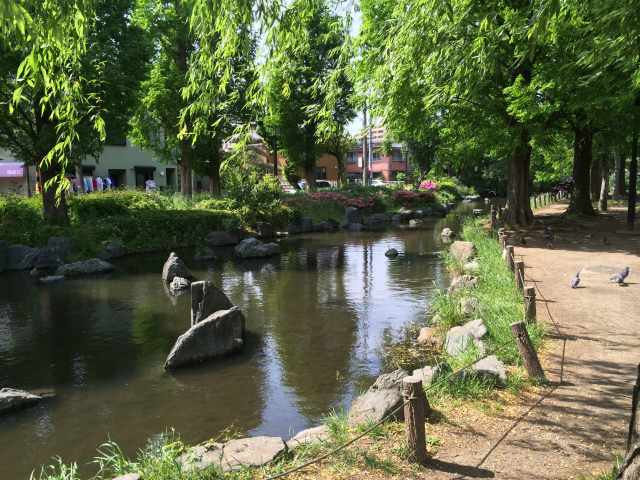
{"x":510,"y":259}
{"x":528,"y":353}
{"x":530,"y":304}
{"x":519,"y":273}
{"x":414,"y":418}
{"x":535,"y":201}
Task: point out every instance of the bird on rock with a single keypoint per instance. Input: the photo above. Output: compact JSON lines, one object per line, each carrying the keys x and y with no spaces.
{"x":620,"y":277}
{"x":575,"y":281}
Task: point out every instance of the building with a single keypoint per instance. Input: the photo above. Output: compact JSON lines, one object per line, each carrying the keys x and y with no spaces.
{"x":384,"y":166}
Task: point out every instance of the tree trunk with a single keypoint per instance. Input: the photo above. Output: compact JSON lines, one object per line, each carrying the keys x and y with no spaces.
{"x":341,"y":169}
{"x":619,"y":187}
{"x":633,"y":180}
{"x":604,"y":186}
{"x":80,"y":178}
{"x":518,"y":208}
{"x":214,"y":177}
{"x":595,"y":178}
{"x":185,"y":169}
{"x":54,"y":207}
{"x":582,"y":156}
{"x":310,"y":176}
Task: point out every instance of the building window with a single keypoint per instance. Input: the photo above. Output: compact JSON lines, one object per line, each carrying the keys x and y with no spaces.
{"x":376,"y":156}
{"x":352,"y":157}
{"x":321,"y":173}
{"x":397,"y":155}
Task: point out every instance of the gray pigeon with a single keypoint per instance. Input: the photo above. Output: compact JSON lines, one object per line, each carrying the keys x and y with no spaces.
{"x":620,"y":277}
{"x":575,"y":281}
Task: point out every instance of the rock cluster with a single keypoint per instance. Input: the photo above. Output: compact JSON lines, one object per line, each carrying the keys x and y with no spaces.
{"x":382,"y":398}
{"x":460,"y":338}
{"x":12,"y":399}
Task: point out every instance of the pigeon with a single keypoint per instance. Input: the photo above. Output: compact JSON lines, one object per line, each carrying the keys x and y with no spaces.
{"x":620,"y":277}
{"x":575,"y":281}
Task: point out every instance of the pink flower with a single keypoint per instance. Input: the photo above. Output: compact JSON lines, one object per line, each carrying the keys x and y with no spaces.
{"x":428,"y":185}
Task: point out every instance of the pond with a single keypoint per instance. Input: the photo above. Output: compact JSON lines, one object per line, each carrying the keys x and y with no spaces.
{"x":316,"y":317}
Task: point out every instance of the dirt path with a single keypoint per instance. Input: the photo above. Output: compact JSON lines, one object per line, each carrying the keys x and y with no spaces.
{"x":573,"y":428}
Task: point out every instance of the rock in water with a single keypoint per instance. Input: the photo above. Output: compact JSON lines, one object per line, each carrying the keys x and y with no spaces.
{"x":219,"y":334}
{"x":178,"y":284}
{"x":175,"y":267}
{"x":352,"y":215}
{"x":310,"y":435}
{"x":221,"y":238}
{"x":391,"y":253}
{"x":21,"y":257}
{"x":254,"y":248}
{"x":47,"y":262}
{"x":112,"y":249}
{"x":11,"y":399}
{"x":384,"y":396}
{"x":86,"y":267}
{"x":207,"y":299}
{"x":461,"y":251}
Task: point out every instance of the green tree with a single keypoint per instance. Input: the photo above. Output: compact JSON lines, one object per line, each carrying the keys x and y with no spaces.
{"x":296,"y":74}
{"x":51,"y":130}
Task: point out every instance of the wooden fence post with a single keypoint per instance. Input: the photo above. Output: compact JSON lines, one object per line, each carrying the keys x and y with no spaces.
{"x":530,"y":304}
{"x":494,"y":217}
{"x":528,"y":353}
{"x":510,"y":258}
{"x":535,"y":202}
{"x":414,"y":418}
{"x":630,"y":468}
{"x":519,"y":273}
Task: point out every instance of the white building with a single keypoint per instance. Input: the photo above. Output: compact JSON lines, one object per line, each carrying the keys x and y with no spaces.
{"x":128,"y":166}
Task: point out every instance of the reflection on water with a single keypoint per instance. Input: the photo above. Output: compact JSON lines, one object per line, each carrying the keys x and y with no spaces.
{"x":315,"y":316}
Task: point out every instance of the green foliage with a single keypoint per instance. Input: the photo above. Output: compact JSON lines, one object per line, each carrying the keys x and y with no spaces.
{"x":91,"y":207}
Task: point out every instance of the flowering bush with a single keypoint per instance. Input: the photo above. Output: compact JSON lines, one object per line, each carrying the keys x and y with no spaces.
{"x":343,"y":199}
{"x":408,"y":198}
{"x":428,"y":185}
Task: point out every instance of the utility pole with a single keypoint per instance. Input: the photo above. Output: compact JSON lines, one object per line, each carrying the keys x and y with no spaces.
{"x":365,"y":156}
{"x":370,"y":151}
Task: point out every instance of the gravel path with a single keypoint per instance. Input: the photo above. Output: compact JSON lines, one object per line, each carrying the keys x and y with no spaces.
{"x":573,"y":428}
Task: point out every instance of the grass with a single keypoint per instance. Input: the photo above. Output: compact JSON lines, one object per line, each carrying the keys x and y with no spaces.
{"x":611,"y":474}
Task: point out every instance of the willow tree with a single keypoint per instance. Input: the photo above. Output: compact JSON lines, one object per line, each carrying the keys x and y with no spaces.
{"x":50,"y":39}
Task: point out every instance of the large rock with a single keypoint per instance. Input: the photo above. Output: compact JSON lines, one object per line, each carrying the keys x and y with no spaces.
{"x":310,"y":435}
{"x":179,"y":285}
{"x":60,"y":246}
{"x":461,"y":251}
{"x":251,"y":452}
{"x":112,"y":249}
{"x":376,"y":221}
{"x":46,"y":262}
{"x":384,"y":396}
{"x":306,"y":225}
{"x":460,"y":338}
{"x":265,"y":230}
{"x":446,"y":233}
{"x":391,"y":253}
{"x":21,"y":257}
{"x":219,"y":334}
{"x":326,"y":226}
{"x":415,"y":222}
{"x":92,"y":266}
{"x":427,"y":336}
{"x":233,"y":455}
{"x":254,"y":248}
{"x":221,"y":238}
{"x":492,"y":369}
{"x":352,"y":215}
{"x":355,"y":227}
{"x":463,"y":282}
{"x":207,"y":299}
{"x":11,"y":399}
{"x":427,"y":374}
{"x":175,"y":267}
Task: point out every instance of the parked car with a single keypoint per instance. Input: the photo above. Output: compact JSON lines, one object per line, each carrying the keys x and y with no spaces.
{"x":323,"y":184}
{"x":377,"y":182}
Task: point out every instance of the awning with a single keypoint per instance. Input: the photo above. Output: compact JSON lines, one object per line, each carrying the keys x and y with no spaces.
{"x":11,"y":169}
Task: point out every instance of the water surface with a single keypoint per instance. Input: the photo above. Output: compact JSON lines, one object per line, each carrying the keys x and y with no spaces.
{"x":316,"y":316}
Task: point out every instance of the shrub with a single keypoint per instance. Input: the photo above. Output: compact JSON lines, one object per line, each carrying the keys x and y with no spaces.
{"x":21,"y":221}
{"x":89,"y":207}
